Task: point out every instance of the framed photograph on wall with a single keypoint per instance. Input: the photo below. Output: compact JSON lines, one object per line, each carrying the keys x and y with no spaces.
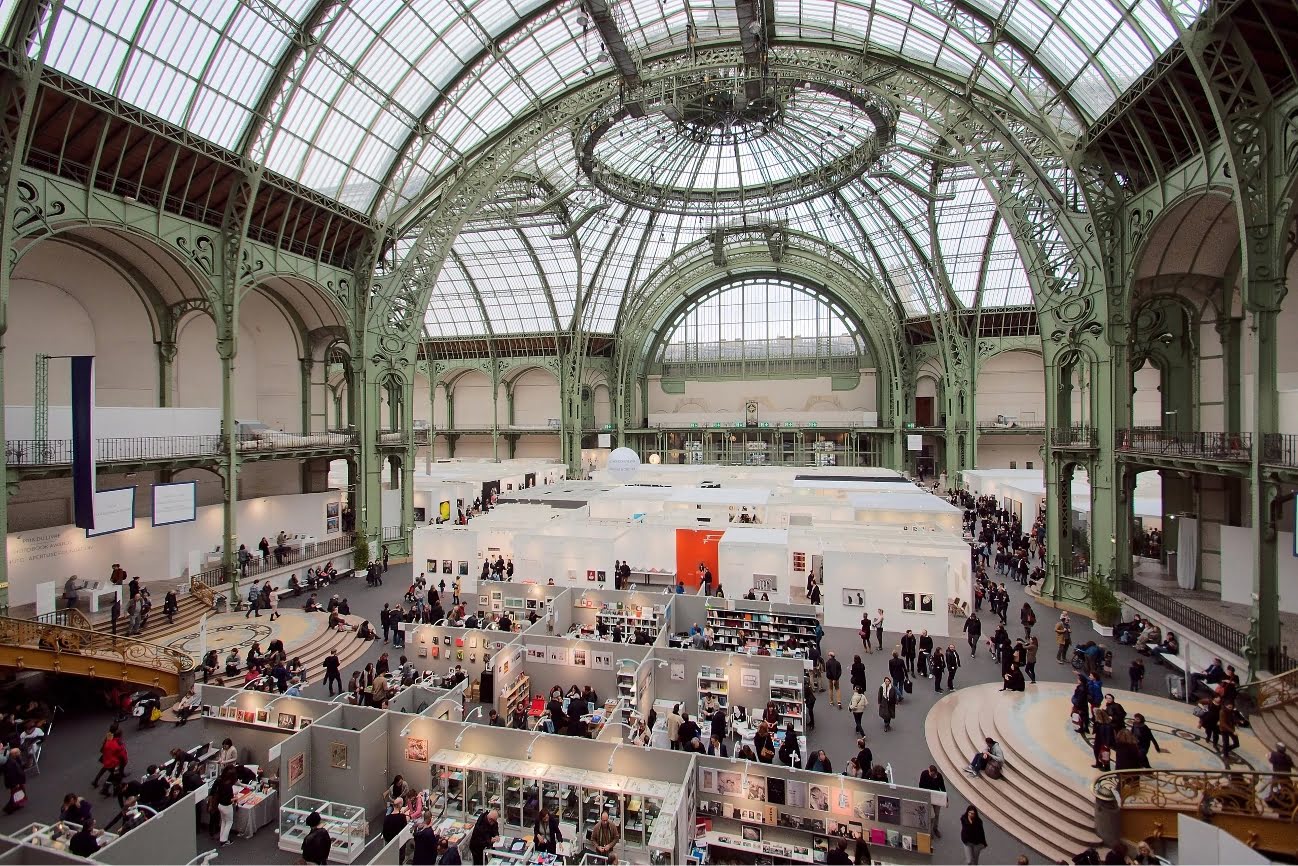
{"x":417,"y":749}
{"x":841,"y":804}
{"x":750,"y":678}
{"x":728,"y":784}
{"x":757,"y":789}
{"x":263,"y":716}
{"x":890,"y":810}
{"x":338,"y":756}
{"x":908,"y":601}
{"x":590,"y":575}
{"x":288,"y":721}
{"x":818,"y":798}
{"x":751,"y":832}
{"x":579,"y":658}
{"x":775,"y":791}
{"x":601,"y":661}
{"x":304,"y":722}
{"x":925,"y":602}
{"x":446,"y":566}
{"x":853,"y":597}
{"x":796,"y":794}
{"x":915,"y":813}
{"x":296,"y":768}
{"x":707,"y":780}
{"x":462,"y":568}
{"x":864,"y":808}
{"x":600,"y":576}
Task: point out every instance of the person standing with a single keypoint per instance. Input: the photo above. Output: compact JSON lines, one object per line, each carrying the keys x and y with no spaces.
{"x":1063,"y":638}
{"x":224,"y":792}
{"x":925,"y":653}
{"x":1136,"y":673}
{"x":878,"y":628}
{"x":316,"y":844}
{"x":1030,"y":658}
{"x":931,"y":780}
{"x":332,"y":675}
{"x":908,"y":645}
{"x":952,"y":665}
{"x":864,"y":633}
{"x":385,"y":621}
{"x":938,"y":665}
{"x":809,"y":699}
{"x":425,"y":842}
{"x":546,"y":834}
{"x":972,"y":835}
{"x":1226,"y":727}
{"x":973,"y":628}
{"x":115,"y":612}
{"x":254,"y":599}
{"x":887,"y":703}
{"x":897,"y":670}
{"x":1027,"y":618}
{"x":834,"y":673}
{"x":485,"y":833}
{"x":15,"y":781}
{"x":857,"y":706}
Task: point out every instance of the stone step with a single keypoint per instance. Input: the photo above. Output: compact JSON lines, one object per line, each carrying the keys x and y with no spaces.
{"x":1067,"y":804}
{"x":312,"y":655}
{"x":1015,"y":802}
{"x":1278,"y":725}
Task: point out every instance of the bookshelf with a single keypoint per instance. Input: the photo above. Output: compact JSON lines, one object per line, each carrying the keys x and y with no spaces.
{"x":786,"y":694}
{"x":626,"y":691}
{"x":517,"y":692}
{"x":713,"y":682}
{"x":746,"y":630}
{"x":631,"y":617}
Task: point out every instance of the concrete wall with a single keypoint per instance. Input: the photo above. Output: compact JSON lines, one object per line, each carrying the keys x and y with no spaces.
{"x":1012,"y":384}
{"x":796,"y":395}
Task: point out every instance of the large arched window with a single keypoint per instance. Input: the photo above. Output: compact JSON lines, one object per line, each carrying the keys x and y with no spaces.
{"x":762,"y":319}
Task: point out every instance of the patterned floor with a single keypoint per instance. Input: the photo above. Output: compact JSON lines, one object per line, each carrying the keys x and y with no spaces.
{"x":1037,"y":723}
{"x":225,"y":630}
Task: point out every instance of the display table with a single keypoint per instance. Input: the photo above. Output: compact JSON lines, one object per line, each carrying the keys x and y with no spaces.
{"x":56,"y":835}
{"x":510,"y":850}
{"x":254,"y":810}
{"x":100,"y":594}
{"x":346,"y":825}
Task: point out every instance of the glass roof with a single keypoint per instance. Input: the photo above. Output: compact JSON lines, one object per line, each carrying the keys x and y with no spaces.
{"x":374,"y":102}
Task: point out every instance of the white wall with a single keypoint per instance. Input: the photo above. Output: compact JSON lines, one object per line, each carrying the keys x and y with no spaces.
{"x":777,"y":397}
{"x":536,"y":398}
{"x":1012,"y":384}
{"x":1147,"y":401}
{"x":883,"y":578}
{"x":739,"y":559}
{"x":117,"y":422}
{"x":1237,"y":581}
{"x":997,"y":451}
{"x":155,"y":554}
{"x":471,"y":396}
{"x":65,"y":301}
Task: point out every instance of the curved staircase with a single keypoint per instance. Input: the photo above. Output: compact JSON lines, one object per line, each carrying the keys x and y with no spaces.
{"x":313,"y":653}
{"x":1275,"y":719}
{"x":1050,"y":816}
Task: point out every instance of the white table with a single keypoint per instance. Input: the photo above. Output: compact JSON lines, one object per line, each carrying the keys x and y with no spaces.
{"x":99,"y":593}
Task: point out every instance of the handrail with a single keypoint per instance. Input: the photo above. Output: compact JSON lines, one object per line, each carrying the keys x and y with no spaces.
{"x":202,"y":592}
{"x":84,"y":641}
{"x":1206,"y":626}
{"x":68,"y":616}
{"x":129,"y":449}
{"x":1276,"y":691}
{"x":1194,"y":444}
{"x":1243,"y":793}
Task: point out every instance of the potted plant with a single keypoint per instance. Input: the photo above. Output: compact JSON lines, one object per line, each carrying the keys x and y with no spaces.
{"x":1105,"y":604}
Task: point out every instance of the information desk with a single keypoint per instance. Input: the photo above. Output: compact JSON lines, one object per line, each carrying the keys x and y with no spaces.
{"x":346,"y":825}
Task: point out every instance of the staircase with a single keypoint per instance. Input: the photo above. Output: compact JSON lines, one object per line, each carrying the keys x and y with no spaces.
{"x":1051,"y":817}
{"x":313,"y":653}
{"x":1275,"y":719}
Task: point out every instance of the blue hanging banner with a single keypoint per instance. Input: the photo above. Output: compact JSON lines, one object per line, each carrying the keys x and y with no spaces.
{"x":83,"y":440}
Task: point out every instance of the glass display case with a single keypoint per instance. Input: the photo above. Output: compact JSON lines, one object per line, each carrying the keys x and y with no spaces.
{"x":56,"y":835}
{"x":346,"y":825}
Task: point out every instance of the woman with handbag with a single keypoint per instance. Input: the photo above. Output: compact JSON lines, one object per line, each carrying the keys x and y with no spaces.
{"x":764,"y":744}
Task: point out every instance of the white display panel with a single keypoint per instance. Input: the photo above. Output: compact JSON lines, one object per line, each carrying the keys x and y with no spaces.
{"x":914,"y":442}
{"x":114,"y":511}
{"x":175,"y":503}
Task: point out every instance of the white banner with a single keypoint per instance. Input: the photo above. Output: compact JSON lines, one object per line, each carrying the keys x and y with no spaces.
{"x":114,"y":511}
{"x":175,"y":503}
{"x":914,"y":442}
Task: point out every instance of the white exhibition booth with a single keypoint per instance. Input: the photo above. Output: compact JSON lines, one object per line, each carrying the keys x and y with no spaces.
{"x":1024,"y":490}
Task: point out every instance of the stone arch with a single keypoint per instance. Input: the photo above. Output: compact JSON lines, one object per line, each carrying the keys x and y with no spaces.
{"x":534,"y":396}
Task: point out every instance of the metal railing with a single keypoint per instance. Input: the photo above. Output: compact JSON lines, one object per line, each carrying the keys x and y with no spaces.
{"x":69,"y":617}
{"x":1276,"y":691}
{"x":392,"y":533}
{"x":83,"y":641}
{"x":215,"y":578}
{"x":1034,"y":429}
{"x":1224,"y":793}
{"x":1280,"y":449}
{"x":58,"y":452}
{"x":1076,"y":436}
{"x":392,"y":437}
{"x":1202,"y":624}
{"x":1195,"y":444}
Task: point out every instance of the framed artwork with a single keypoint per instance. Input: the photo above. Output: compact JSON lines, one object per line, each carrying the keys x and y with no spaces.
{"x":536,"y":654}
{"x":840,"y":829}
{"x":304,"y":722}
{"x":473,"y":641}
{"x":853,"y":598}
{"x":796,"y":794}
{"x":446,"y":639}
{"x":894,"y":838}
{"x":751,"y":833}
{"x":908,"y":601}
{"x":600,"y":576}
{"x":417,"y":749}
{"x":775,"y":791}
{"x":208,"y":710}
{"x":338,"y":756}
{"x":590,"y":575}
{"x":915,"y":813}
{"x":890,"y":810}
{"x":223,"y":713}
{"x":420,"y":514}
{"x":841,"y":804}
{"x":263,"y":716}
{"x":558,"y":655}
{"x":757,"y":789}
{"x":484,"y":601}
{"x":248,"y":716}
{"x":288,"y":721}
{"x":296,"y":768}
{"x":423,"y":652}
{"x":864,"y":808}
{"x":752,"y":815}
{"x":814,"y":825}
{"x":579,"y":658}
{"x":820,"y":845}
{"x":818,"y":798}
{"x":331,"y":509}
{"x":908,"y":843}
{"x":462,"y":568}
{"x":707,"y":780}
{"x":728,"y":784}
{"x":601,"y":661}
{"x":750,"y":678}
{"x":431,"y":565}
{"x":446,"y":566}
{"x":925,"y":602}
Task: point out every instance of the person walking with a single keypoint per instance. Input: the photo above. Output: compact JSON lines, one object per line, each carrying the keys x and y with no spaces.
{"x":932,"y":780}
{"x":897,"y":670}
{"x":1226,"y":727}
{"x":864,"y":632}
{"x":857,"y":675}
{"x":1030,"y":658}
{"x":972,"y":835}
{"x":857,"y":706}
{"x":272,"y":600}
{"x":115,"y":612}
{"x":809,"y":700}
{"x":254,"y":599}
{"x":332,"y":675}
{"x":938,"y":665}
{"x":973,"y":628}
{"x":952,"y":665}
{"x":887,"y":703}
{"x":1027,"y":618}
{"x":834,"y":673}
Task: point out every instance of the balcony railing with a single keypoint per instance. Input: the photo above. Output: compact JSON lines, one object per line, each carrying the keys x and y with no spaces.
{"x":1280,"y":449}
{"x":1194,"y":444}
{"x":392,"y":437}
{"x":1202,"y":624}
{"x":215,"y":578}
{"x":1031,"y":429}
{"x":137,"y":449}
{"x":1076,"y":436}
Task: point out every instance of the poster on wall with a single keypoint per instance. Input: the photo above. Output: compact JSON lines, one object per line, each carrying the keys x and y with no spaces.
{"x":296,"y":768}
{"x":537,"y":654}
{"x":908,"y":601}
{"x":175,"y":503}
{"x":417,"y":749}
{"x":854,"y":598}
{"x":332,"y":517}
{"x":750,"y":678}
{"x":925,"y":602}
{"x":558,"y":655}
{"x":114,"y":511}
{"x":601,"y":661}
{"x":338,"y":756}
{"x":579,"y":658}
